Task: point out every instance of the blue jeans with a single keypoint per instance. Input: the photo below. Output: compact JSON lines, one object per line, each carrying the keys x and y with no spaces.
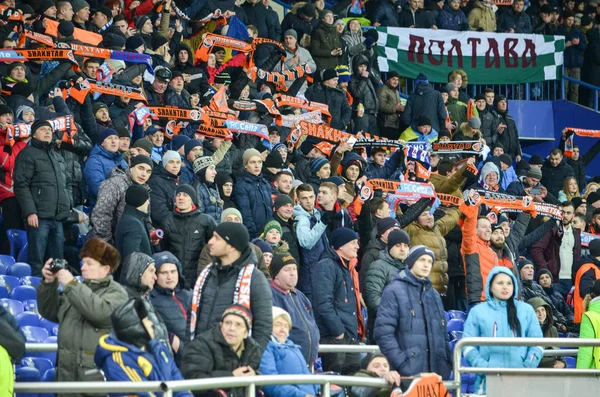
{"x":563,"y":286}
{"x":45,"y":241}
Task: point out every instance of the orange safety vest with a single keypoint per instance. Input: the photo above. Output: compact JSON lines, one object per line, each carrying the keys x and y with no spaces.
{"x":577,"y":299}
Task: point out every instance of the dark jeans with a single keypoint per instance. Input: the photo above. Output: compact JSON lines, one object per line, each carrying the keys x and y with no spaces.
{"x":45,"y":241}
{"x":563,"y":287}
{"x":343,"y":363}
{"x":11,"y":219}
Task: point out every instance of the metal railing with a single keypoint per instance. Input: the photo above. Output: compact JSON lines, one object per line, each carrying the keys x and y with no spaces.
{"x":563,"y":342}
{"x":588,"y":86}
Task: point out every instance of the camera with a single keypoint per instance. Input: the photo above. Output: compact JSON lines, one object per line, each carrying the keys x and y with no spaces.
{"x":58,"y":264}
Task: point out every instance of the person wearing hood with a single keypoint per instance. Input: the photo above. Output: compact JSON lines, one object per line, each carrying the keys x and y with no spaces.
{"x":421,"y":131}
{"x":252,"y":193}
{"x":354,"y":42}
{"x":489,"y":178}
{"x":225,"y":350}
{"x":224,"y":183}
{"x":544,"y":279}
{"x":390,"y":105}
{"x":132,"y":352}
{"x":585,"y":273}
{"x":42,"y":187}
{"x":543,"y":312}
{"x":506,"y":127}
{"x":170,"y":298}
{"x":187,"y":231}
{"x":482,"y":17}
{"x":163,"y":183}
{"x":284,"y":357}
{"x":131,"y":233}
{"x":410,"y":328}
{"x":587,"y":356}
{"x":219,"y":284}
{"x":362,"y":87}
{"x":501,"y":315}
{"x":327,"y":92}
{"x":196,"y":78}
{"x":210,"y":202}
{"x":326,"y":43}
{"x":337,"y":300}
{"x":452,"y":17}
{"x":381,"y":272}
{"x":83,"y":310}
{"x":554,"y":171}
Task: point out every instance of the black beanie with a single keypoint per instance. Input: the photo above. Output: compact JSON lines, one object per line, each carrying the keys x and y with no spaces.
{"x":235,"y":234}
{"x":4,"y":109}
{"x":542,"y":272}
{"x":274,"y":160}
{"x":279,"y":261}
{"x":136,"y":195}
{"x":281,"y":200}
{"x":66,"y":28}
{"x":190,"y":191}
{"x":523,"y":262}
{"x":595,"y":248}
{"x":158,"y":40}
{"x":423,"y":120}
{"x":38,"y":124}
{"x":141,"y":159}
{"x":384,"y":224}
{"x":396,"y":237}
{"x":416,"y":252}
{"x":342,"y":236}
{"x":134,"y":42}
{"x":23,"y":89}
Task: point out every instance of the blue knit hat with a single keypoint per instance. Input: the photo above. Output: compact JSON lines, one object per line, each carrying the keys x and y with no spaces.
{"x":343,"y":74}
{"x":416,"y":252}
{"x":317,"y":163}
{"x":263,"y":245}
{"x":178,"y":141}
{"x":342,"y":236}
{"x":106,"y":133}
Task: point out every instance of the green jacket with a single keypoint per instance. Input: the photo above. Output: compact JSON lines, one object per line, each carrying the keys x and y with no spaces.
{"x":83,"y":311}
{"x":589,"y":357}
{"x":457,"y":110}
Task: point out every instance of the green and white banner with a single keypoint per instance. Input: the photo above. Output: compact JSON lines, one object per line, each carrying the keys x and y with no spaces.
{"x":487,"y":58}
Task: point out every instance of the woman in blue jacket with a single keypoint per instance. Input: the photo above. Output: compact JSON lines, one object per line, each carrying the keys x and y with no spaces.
{"x":283,"y":357}
{"x":501,"y":315}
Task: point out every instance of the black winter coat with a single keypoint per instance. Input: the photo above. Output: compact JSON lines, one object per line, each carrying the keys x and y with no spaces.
{"x":173,"y":307}
{"x":252,"y":195}
{"x":12,"y":338}
{"x":218,"y":292}
{"x":162,"y":195}
{"x":519,"y":22}
{"x":552,"y":177}
{"x":289,"y":236}
{"x":510,"y":137}
{"x":325,"y":39}
{"x":209,"y":356}
{"x":425,"y":100}
{"x":131,"y":234}
{"x":294,"y":21}
{"x":169,"y":98}
{"x":363,"y":88}
{"x":261,"y":17}
{"x":337,"y":102}
{"x":185,"y":236}
{"x":386,"y":14}
{"x":582,"y":162}
{"x":42,"y":184}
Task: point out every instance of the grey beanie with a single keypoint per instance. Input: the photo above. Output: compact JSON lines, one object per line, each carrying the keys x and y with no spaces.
{"x":169,"y":155}
{"x":23,"y":109}
{"x":291,"y":32}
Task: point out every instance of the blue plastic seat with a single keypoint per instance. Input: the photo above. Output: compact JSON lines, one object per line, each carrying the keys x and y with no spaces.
{"x":12,"y":306}
{"x":456,"y":325}
{"x":23,"y":254}
{"x":19,"y":269}
{"x":47,"y":355}
{"x":23,"y":293}
{"x":49,"y":376}
{"x":30,"y":305}
{"x":7,"y":260}
{"x":32,"y":281}
{"x":571,"y":361}
{"x":41,"y":364}
{"x":50,"y":326}
{"x":10,"y":282}
{"x":27,"y":374}
{"x":457,"y":314}
{"x":447,"y":317}
{"x":28,"y":318}
{"x":456,"y":335}
{"x":3,"y":292}
{"x":17,"y":240}
{"x":35,"y":334}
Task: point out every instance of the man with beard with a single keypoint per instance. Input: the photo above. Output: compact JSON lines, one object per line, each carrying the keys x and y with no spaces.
{"x":487,"y":120}
{"x":559,"y":249}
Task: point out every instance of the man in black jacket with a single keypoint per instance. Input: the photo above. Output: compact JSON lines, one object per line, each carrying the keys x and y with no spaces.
{"x":362,"y":87}
{"x":131,"y":234}
{"x":327,"y":92}
{"x":284,"y":209}
{"x":577,"y":161}
{"x":163,"y":183}
{"x":187,"y":231}
{"x":554,"y":171}
{"x":233,"y":277}
{"x":43,"y":189}
{"x":425,"y":100}
{"x":506,"y":128}
{"x":261,"y":17}
{"x":12,"y":347}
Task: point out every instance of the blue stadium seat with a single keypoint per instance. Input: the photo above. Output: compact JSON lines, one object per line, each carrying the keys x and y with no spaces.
{"x":32,"y":281}
{"x":10,"y":282}
{"x":456,"y":335}
{"x":457,"y":314}
{"x":7,"y":260}
{"x":571,"y":361}
{"x":30,"y":305}
{"x":49,"y":376}
{"x":28,"y":318}
{"x":23,"y":293}
{"x":12,"y":306}
{"x":23,"y":254}
{"x":17,"y":239}
{"x":47,"y":355}
{"x":3,"y":268}
{"x":452,"y":343}
{"x":34,"y":334}
{"x":41,"y":364}
{"x":447,"y":317}
{"x":19,"y":269}
{"x":50,"y":326}
{"x":456,"y":325}
{"x":3,"y":292}
{"x":27,"y":374}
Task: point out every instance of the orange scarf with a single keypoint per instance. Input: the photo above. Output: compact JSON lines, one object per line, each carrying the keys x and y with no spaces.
{"x":356,"y":284}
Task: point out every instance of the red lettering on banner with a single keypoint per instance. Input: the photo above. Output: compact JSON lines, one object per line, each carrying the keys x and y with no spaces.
{"x":455,"y":45}
{"x":474,"y":41}
{"x":529,"y":48}
{"x":511,"y":58}
{"x":494,"y":59}
{"x":431,"y":57}
{"x":414,"y":40}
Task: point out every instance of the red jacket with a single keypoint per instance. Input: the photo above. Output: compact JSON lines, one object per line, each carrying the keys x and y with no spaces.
{"x":7,"y":164}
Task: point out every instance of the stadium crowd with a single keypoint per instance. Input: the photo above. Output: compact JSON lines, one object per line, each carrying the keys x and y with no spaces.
{"x":207,"y":247}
